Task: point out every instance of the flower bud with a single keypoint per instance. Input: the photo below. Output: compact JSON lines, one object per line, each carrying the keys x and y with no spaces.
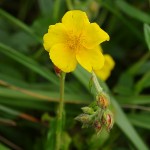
{"x":97,"y":126}
{"x":84,"y":118}
{"x":88,"y":110}
{"x":108,"y":119}
{"x":102,"y":100}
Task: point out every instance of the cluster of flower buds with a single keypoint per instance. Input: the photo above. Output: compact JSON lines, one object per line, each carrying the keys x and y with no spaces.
{"x":97,"y":115}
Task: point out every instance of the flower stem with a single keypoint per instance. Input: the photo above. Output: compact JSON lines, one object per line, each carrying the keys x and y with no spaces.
{"x":60,"y":112}
{"x":96,"y":83}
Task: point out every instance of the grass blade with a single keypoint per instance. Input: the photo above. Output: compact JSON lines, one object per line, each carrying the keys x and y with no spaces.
{"x":140,"y":120}
{"x":124,"y":124}
{"x":140,"y":99}
{"x":109,"y":5}
{"x":17,"y":113}
{"x":20,"y":24}
{"x":132,"y":11}
{"x":147,"y":35}
{"x":28,"y":62}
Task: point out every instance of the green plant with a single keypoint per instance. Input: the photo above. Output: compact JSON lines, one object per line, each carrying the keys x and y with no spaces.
{"x":29,"y":88}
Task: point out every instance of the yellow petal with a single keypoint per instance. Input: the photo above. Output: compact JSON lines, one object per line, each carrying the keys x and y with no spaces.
{"x":56,"y":34}
{"x":75,"y":21}
{"x":109,"y":62}
{"x":90,"y":59}
{"x":100,"y":48}
{"x":103,"y":73}
{"x":63,"y":57}
{"x":94,"y":35}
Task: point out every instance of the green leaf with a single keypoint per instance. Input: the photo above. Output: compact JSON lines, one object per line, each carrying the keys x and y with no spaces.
{"x":110,"y":6}
{"x":9,"y":110}
{"x":20,"y":24}
{"x":66,"y":140}
{"x":125,"y":84}
{"x":124,"y":124}
{"x":132,"y":11}
{"x":140,"y":120}
{"x":47,"y":96}
{"x":28,"y":62}
{"x":144,"y":82}
{"x":29,"y":104}
{"x":145,"y":67}
{"x":147,"y":35}
{"x":51,"y":136}
{"x":140,"y":99}
{"x":134,"y":69}
{"x":15,"y":113}
{"x":2,"y":147}
{"x":46,"y":7}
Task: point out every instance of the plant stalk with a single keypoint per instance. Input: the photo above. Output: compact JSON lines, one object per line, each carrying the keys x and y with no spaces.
{"x":60,"y":112}
{"x":96,"y":83}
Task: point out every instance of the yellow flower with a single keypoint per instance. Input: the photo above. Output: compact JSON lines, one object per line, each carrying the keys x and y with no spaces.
{"x":75,"y":40}
{"x":105,"y":72}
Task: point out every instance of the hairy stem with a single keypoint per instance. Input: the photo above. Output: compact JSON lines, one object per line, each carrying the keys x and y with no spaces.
{"x":96,"y":83}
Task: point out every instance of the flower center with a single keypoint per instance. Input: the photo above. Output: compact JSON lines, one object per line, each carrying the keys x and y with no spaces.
{"x":74,"y":42}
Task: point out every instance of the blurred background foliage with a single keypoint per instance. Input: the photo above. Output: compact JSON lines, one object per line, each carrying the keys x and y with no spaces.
{"x":29,"y":88}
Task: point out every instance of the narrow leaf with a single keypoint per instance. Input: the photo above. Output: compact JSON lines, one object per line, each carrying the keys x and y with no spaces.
{"x":147,"y":35}
{"x":132,"y":11}
{"x":21,"y":25}
{"x":124,"y":124}
{"x":28,"y":62}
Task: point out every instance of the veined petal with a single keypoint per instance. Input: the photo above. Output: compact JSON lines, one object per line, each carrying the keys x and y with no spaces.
{"x":94,"y":35}
{"x":90,"y":59}
{"x":56,"y":34}
{"x":75,"y":21}
{"x":63,"y":57}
